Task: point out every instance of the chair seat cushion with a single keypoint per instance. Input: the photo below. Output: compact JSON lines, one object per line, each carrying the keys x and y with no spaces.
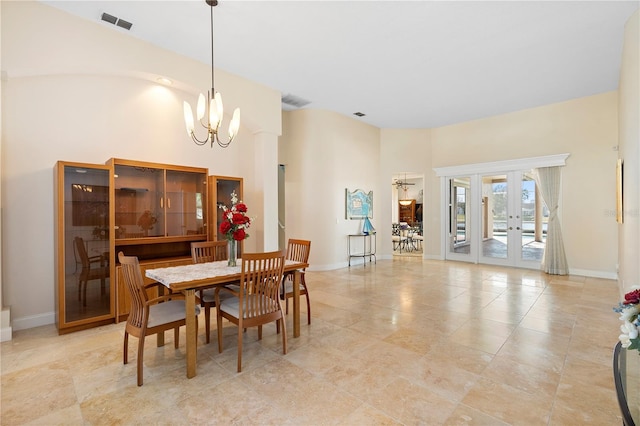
{"x":231,"y":305}
{"x":209,"y":294}
{"x":166,"y":312}
{"x":288,"y":287}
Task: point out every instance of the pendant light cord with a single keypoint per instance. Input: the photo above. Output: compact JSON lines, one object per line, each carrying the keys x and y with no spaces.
{"x":212,"y":81}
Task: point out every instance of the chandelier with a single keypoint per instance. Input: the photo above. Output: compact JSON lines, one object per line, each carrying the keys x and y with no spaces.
{"x":212,"y":108}
{"x":400,"y":184}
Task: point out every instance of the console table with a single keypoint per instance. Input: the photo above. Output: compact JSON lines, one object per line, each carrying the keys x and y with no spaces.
{"x":367,"y":245}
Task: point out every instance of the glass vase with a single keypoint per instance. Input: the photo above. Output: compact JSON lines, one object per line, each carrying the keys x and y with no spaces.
{"x":232,"y":253}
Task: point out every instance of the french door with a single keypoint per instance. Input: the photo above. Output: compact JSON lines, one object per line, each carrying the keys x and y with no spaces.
{"x":495,"y":218}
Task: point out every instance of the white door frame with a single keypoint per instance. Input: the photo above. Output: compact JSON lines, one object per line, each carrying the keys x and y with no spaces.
{"x":475,"y":171}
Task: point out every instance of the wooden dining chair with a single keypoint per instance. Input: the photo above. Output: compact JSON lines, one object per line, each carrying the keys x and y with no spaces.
{"x":208,"y":251}
{"x":149,"y":316}
{"x":93,"y":268}
{"x":257,"y":300}
{"x":298,"y":251}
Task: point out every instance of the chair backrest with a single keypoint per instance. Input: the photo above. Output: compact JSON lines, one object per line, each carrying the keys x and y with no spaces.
{"x":209,"y":251}
{"x":260,"y":283}
{"x":132,"y":276}
{"x":82,"y":252}
{"x":298,"y":250}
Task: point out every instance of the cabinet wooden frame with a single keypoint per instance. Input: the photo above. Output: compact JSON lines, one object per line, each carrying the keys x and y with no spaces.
{"x":220,"y":188}
{"x":171,"y":248}
{"x":71,"y":314}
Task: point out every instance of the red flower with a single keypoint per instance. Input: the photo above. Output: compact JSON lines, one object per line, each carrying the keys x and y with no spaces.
{"x":241,"y":207}
{"x":632,"y":298}
{"x":239,"y":235}
{"x":238,"y":219}
{"x":225,"y":227}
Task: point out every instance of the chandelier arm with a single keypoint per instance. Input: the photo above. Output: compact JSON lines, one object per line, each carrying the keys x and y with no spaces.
{"x":198,"y":141}
{"x":221,"y":143}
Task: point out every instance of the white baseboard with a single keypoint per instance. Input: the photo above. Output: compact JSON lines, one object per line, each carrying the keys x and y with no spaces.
{"x":5,"y":325}
{"x":594,"y":274}
{"x":34,"y":321}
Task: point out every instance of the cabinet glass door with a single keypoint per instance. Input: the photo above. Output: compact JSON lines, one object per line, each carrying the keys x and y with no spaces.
{"x":84,"y":275}
{"x":139,"y":202}
{"x":185,"y":212}
{"x":221,"y":188}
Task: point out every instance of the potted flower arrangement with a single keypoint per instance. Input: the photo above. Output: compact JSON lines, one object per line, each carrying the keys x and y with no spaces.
{"x":629,"y":311}
{"x":234,"y":224}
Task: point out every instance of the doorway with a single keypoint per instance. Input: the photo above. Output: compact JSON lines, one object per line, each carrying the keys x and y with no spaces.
{"x":407,"y":214}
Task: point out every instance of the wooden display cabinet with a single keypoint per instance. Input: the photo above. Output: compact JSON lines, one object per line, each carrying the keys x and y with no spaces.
{"x":220,"y":189}
{"x":407,"y":213}
{"x":159,"y":209}
{"x":149,"y":210}
{"x":83,"y":216}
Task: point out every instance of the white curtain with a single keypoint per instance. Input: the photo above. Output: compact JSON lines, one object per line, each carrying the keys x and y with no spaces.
{"x":554,"y":260}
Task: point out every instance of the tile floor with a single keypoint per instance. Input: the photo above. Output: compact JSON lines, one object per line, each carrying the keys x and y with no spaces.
{"x":403,"y":341}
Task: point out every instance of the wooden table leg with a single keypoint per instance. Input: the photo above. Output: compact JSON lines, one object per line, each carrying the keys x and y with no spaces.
{"x":160,"y":336}
{"x":296,"y":303}
{"x":192,"y":333}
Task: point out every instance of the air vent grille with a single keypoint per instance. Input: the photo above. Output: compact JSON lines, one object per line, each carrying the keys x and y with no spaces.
{"x":116,"y":21}
{"x":294,"y":101}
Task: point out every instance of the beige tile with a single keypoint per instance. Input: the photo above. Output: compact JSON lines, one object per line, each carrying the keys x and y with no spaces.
{"x":464,"y":415}
{"x":405,"y":341}
{"x":36,"y":391}
{"x":509,"y":404}
{"x":412,"y":404}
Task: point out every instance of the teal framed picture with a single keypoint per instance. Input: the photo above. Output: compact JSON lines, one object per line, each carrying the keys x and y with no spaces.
{"x":359,"y":204}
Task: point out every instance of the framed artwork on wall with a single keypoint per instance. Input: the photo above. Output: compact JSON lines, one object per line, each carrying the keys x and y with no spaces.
{"x":358,"y":204}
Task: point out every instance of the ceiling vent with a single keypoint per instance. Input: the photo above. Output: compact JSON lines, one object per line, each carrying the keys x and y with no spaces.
{"x":116,"y":21}
{"x":294,"y":102}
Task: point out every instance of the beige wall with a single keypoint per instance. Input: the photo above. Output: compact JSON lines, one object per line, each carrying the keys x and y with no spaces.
{"x":629,"y":106}
{"x":324,"y":153}
{"x":79,"y":91}
{"x":586,"y":128}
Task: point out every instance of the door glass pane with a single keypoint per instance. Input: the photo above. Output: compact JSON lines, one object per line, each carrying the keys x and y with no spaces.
{"x":494,"y":216}
{"x":534,"y":220}
{"x":183,"y":206}
{"x":459,"y":215}
{"x":139,"y":197}
{"x":86,"y":233}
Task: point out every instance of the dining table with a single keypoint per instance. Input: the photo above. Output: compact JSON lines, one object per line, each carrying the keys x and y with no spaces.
{"x":187,"y":279}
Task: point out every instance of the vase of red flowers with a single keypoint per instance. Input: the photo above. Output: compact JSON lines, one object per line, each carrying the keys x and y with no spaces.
{"x":234,"y":224}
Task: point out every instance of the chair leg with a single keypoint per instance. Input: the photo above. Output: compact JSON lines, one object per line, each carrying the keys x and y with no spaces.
{"x":140,"y":358}
{"x":176,"y":337}
{"x":286,"y":305}
{"x":125,"y":351}
{"x":284,"y":335}
{"x":308,"y":307}
{"x":239,"y":349}
{"x":207,"y":319}
{"x":259,"y":332}
{"x":219,"y":323}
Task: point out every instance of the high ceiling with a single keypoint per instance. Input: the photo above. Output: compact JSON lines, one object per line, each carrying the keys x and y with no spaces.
{"x":405,"y":64}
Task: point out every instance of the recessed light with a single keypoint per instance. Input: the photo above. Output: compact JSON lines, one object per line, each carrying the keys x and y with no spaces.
{"x":165,"y":81}
{"x":359,"y":114}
